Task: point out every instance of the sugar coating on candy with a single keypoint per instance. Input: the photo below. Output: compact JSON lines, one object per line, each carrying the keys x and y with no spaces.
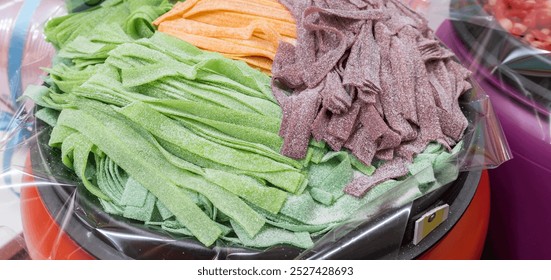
{"x":134,"y":194}
{"x":391,"y":169}
{"x":335,"y":96}
{"x":341,"y":126}
{"x":303,"y":112}
{"x":362,"y":67}
{"x":379,"y":82}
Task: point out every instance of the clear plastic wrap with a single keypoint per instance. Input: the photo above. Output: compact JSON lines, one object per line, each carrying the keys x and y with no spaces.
{"x":22,"y":52}
{"x":506,"y":45}
{"x":61,"y":220}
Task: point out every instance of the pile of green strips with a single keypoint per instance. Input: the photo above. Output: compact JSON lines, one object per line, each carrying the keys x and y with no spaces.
{"x":186,"y":140}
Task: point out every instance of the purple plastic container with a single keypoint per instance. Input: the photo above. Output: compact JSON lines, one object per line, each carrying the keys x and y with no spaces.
{"x":520,"y":221}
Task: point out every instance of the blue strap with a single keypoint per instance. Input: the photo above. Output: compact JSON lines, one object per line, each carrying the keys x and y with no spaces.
{"x":17,"y":47}
{"x":5,"y":119}
{"x":15,"y":59}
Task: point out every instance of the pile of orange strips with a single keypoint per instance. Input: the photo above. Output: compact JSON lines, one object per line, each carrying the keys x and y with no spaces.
{"x":248,"y":30}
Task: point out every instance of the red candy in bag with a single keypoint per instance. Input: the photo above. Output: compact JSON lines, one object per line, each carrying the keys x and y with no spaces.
{"x":529,"y":20}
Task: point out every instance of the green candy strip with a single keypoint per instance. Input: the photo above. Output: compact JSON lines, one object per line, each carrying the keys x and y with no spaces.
{"x":81,"y":150}
{"x":142,"y":212}
{"x":271,"y":236}
{"x":184,"y":108}
{"x":270,"y":199}
{"x":134,"y":194}
{"x":59,"y":134}
{"x":110,"y":186}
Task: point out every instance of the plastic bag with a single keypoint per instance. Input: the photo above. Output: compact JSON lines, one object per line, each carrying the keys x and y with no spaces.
{"x":22,"y":52}
{"x":61,"y":220}
{"x":506,"y":61}
{"x":506,"y":45}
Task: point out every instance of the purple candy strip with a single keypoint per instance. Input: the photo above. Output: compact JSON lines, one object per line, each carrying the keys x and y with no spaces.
{"x":391,"y":169}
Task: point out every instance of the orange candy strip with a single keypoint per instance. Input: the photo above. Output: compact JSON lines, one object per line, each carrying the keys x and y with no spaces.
{"x":248,"y":30}
{"x":220,"y":45}
{"x":233,"y":19}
